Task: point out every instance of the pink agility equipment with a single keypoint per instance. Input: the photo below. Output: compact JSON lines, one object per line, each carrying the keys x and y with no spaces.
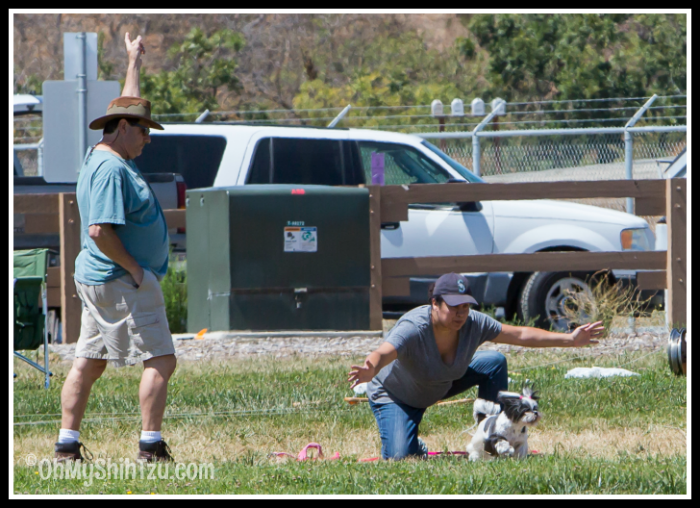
{"x":435,"y":454}
{"x":303,"y":454}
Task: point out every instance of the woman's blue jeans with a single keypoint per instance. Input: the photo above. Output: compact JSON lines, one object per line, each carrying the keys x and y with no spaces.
{"x":398,"y":423}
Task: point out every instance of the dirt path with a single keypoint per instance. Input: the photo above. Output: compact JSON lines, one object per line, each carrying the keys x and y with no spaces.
{"x":222,"y":346}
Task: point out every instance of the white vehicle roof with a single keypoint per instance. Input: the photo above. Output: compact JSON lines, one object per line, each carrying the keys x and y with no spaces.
{"x":26,"y":103}
{"x":239,"y":136}
{"x":282,"y":131}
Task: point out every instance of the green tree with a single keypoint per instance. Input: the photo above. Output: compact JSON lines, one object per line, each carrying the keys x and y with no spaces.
{"x":388,"y":71}
{"x":204,"y":66}
{"x":105,"y":68}
{"x":579,"y":56}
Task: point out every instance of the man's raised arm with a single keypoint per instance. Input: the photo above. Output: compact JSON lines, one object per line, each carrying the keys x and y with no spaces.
{"x":134,"y":50}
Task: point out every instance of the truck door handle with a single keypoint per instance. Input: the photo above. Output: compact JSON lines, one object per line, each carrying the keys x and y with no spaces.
{"x":390,"y":225}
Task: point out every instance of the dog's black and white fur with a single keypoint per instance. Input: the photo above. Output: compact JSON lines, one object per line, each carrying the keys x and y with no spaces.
{"x":503,"y":433}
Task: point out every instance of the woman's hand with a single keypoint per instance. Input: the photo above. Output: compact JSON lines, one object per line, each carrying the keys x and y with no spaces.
{"x":582,"y":335}
{"x":361,"y":374}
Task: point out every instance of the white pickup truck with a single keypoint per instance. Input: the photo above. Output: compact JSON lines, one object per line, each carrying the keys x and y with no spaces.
{"x":222,"y":155}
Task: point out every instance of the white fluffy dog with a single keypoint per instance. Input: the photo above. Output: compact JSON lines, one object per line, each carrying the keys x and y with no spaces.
{"x":503,"y":433}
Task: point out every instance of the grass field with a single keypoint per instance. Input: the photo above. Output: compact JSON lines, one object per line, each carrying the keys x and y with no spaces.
{"x":609,"y":436}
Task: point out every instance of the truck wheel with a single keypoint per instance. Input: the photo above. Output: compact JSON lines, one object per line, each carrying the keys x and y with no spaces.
{"x":547,"y":295}
{"x":52,"y":326}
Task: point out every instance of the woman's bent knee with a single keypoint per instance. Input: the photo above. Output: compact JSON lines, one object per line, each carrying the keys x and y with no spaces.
{"x":496,"y":359}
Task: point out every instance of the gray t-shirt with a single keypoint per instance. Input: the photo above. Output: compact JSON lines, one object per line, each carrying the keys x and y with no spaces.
{"x":418,"y":377}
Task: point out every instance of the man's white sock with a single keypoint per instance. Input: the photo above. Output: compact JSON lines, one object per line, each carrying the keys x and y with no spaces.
{"x":150,"y":436}
{"x":68,"y":436}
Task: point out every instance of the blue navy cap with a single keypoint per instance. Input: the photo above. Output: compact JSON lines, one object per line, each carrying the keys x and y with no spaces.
{"x":454,"y":289}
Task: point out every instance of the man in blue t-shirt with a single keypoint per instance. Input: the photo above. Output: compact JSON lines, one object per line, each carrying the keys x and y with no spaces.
{"x":124,"y":240}
{"x":431,"y":354}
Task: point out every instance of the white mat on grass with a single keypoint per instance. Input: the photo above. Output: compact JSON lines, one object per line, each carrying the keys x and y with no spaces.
{"x":598,"y":372}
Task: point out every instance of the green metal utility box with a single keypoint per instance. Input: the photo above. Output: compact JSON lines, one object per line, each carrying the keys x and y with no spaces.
{"x":278,"y":257}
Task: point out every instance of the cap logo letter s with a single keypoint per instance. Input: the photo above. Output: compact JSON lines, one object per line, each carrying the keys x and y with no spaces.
{"x":460,"y":286}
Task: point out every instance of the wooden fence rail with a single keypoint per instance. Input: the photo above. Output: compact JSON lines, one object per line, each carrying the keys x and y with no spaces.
{"x":58,"y":213}
{"x":652,"y":197}
{"x":52,"y":213}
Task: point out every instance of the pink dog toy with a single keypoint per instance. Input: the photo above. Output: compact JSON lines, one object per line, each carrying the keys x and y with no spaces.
{"x":303,"y":455}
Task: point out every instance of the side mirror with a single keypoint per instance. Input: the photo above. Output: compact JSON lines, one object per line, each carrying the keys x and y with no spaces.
{"x":465,"y":206}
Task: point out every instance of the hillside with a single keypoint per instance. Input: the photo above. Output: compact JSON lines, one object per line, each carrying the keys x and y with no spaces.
{"x":225,"y":62}
{"x":289,"y":41}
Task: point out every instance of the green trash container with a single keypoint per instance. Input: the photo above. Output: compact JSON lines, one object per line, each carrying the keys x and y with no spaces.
{"x":278,"y":257}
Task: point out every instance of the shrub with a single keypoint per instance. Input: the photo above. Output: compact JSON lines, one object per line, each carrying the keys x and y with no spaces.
{"x":605,"y":302}
{"x":174,"y":286}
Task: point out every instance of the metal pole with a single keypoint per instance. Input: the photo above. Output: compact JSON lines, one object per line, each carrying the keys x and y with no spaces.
{"x":201,"y":117}
{"x":496,"y":145}
{"x":40,"y":157}
{"x":628,"y":168}
{"x":628,"y":145}
{"x":339,"y":117}
{"x":441,"y":119}
{"x":476,"y":148}
{"x":46,"y":334}
{"x":82,"y":99}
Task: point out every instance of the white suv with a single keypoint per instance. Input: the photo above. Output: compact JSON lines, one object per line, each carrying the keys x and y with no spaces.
{"x":223,"y":155}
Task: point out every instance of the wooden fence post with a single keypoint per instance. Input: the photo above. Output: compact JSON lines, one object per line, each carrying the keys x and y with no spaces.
{"x":69,"y":225}
{"x":676,"y":209}
{"x":375,"y":259}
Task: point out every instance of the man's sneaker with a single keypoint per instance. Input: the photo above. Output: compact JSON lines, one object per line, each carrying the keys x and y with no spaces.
{"x":64,"y":452}
{"x":154,"y":452}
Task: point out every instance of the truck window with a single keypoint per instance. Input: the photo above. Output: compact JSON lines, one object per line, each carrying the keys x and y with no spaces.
{"x":402,"y":164}
{"x":302,"y":161}
{"x":195,"y":157}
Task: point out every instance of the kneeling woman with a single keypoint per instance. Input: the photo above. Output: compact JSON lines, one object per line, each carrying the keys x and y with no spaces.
{"x":430,"y":355}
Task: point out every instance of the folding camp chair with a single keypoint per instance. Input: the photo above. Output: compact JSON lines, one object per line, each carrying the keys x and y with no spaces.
{"x":30,"y":318}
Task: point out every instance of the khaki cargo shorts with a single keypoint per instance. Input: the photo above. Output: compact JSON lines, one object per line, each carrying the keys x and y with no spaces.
{"x":123,"y":323}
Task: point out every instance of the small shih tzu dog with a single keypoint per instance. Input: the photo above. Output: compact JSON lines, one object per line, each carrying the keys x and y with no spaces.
{"x":503,"y":433}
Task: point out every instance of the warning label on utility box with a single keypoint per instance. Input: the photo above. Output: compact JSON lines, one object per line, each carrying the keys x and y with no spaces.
{"x":301,"y":239}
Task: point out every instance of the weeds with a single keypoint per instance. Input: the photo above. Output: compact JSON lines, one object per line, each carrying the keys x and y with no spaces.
{"x":604,"y":302}
{"x":174,"y":286}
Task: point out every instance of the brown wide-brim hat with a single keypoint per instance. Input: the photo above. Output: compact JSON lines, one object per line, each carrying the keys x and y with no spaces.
{"x":127,"y":107}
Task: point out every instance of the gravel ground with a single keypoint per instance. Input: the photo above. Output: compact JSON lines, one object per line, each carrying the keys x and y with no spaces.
{"x":231,"y":345}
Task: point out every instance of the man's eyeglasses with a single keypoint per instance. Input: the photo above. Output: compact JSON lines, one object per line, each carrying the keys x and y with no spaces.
{"x":146,"y":130}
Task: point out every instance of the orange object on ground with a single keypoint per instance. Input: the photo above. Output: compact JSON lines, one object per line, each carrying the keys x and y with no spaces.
{"x":355,"y":400}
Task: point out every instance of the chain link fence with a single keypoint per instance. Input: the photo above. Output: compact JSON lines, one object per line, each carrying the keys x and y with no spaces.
{"x":548,"y":158}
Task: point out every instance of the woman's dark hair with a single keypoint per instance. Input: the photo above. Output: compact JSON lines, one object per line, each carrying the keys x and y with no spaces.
{"x":438,"y":298}
{"x":111,"y":126}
